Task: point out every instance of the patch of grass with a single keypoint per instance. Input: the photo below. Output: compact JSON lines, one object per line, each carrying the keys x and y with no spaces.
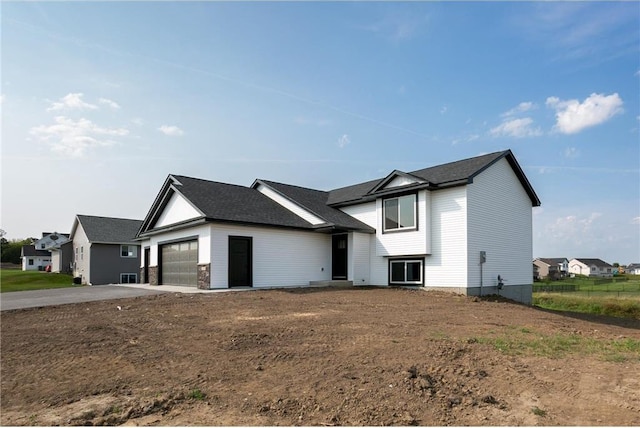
{"x":539,"y":412}
{"x":18,"y":280}
{"x":620,"y":308}
{"x":519,"y":342}
{"x":113,"y":410}
{"x":196,"y":394}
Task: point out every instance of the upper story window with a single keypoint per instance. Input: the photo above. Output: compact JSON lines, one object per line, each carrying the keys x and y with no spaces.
{"x":400,"y":213}
{"x":128,"y":251}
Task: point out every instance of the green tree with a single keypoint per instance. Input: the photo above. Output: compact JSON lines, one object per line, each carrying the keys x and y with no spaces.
{"x":11,"y":250}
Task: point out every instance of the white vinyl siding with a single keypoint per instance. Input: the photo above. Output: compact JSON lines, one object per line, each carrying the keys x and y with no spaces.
{"x":281,"y":257}
{"x":290,"y":205}
{"x":499,"y":215}
{"x":366,"y":213}
{"x":359,"y":254}
{"x":399,"y":181}
{"x":447,"y":264}
{"x":82,"y":263}
{"x":177,"y":210}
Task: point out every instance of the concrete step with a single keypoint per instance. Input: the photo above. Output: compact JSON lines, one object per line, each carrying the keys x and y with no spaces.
{"x":333,"y":283}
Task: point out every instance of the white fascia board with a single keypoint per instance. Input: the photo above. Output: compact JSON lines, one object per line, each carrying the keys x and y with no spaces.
{"x":287,"y":203}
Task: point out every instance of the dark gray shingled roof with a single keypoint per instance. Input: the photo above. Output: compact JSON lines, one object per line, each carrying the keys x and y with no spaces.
{"x":30,"y":250}
{"x":230,"y":202}
{"x":459,"y":172}
{"x":316,"y":202}
{"x":109,"y":230}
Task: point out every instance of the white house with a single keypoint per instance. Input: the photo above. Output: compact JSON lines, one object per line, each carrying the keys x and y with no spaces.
{"x":60,"y":248}
{"x":464,"y":226}
{"x":590,"y":267}
{"x":632,"y":269}
{"x":34,"y":259}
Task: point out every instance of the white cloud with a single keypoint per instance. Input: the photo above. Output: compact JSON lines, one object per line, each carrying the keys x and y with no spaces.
{"x":74,"y":138}
{"x":137,"y":121}
{"x":2,"y":99}
{"x":635,"y":220}
{"x":466,"y":139}
{"x":72,"y":101}
{"x":114,"y":105}
{"x":520,"y":108}
{"x":343,"y":141}
{"x":572,"y":228}
{"x":573,"y":116}
{"x":571,"y":152}
{"x":171,"y":130}
{"x":517,"y":128}
{"x":443,"y":110}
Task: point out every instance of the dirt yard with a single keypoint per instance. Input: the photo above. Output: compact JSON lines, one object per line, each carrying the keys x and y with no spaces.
{"x":316,"y":357}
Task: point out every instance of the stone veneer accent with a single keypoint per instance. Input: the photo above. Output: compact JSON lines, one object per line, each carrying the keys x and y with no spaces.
{"x":204,"y":276}
{"x":153,"y":275}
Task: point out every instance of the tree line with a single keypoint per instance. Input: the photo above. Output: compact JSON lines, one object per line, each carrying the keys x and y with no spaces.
{"x":10,"y":251}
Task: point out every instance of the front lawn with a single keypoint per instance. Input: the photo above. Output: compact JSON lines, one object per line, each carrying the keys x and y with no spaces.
{"x":18,"y":280}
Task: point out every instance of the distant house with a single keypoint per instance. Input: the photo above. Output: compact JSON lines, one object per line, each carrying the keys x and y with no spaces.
{"x":590,"y":267}
{"x":464,"y":226}
{"x":61,"y":249}
{"x":632,"y":269}
{"x":536,"y":272}
{"x":552,"y":268}
{"x":104,"y":250}
{"x":34,"y":259}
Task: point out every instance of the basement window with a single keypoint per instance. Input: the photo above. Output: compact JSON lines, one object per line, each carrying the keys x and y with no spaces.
{"x":128,"y":278}
{"x":406,"y":272}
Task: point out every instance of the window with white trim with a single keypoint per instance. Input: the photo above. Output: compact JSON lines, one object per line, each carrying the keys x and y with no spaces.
{"x":408,"y":272}
{"x":128,"y":278}
{"x":399,"y":213}
{"x":128,"y":251}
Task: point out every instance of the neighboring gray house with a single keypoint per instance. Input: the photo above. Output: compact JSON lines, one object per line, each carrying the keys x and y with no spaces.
{"x":553,"y":268}
{"x":34,"y":259}
{"x":459,"y":227}
{"x":590,"y":267}
{"x":104,"y":250}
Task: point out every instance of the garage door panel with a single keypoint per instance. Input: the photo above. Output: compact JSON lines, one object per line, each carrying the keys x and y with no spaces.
{"x":180,"y":263}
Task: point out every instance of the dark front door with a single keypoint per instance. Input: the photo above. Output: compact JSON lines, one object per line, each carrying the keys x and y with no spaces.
{"x":240,"y":261}
{"x":147,"y":258}
{"x":339,"y":257}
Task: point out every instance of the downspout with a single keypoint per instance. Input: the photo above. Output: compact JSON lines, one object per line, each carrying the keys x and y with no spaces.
{"x":483,"y":259}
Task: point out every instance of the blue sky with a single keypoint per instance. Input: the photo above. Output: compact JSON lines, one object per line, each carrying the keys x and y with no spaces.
{"x":101,"y":101}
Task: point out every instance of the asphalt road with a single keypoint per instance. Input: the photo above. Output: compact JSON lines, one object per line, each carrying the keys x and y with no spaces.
{"x":61,"y":296}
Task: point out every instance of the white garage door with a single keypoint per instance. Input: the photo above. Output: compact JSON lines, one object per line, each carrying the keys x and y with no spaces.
{"x":179,"y":264}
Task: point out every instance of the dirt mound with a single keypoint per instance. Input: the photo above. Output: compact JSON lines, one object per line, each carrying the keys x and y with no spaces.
{"x":322,"y":357}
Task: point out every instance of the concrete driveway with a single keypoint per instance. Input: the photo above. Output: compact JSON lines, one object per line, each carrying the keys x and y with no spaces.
{"x":61,"y":296}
